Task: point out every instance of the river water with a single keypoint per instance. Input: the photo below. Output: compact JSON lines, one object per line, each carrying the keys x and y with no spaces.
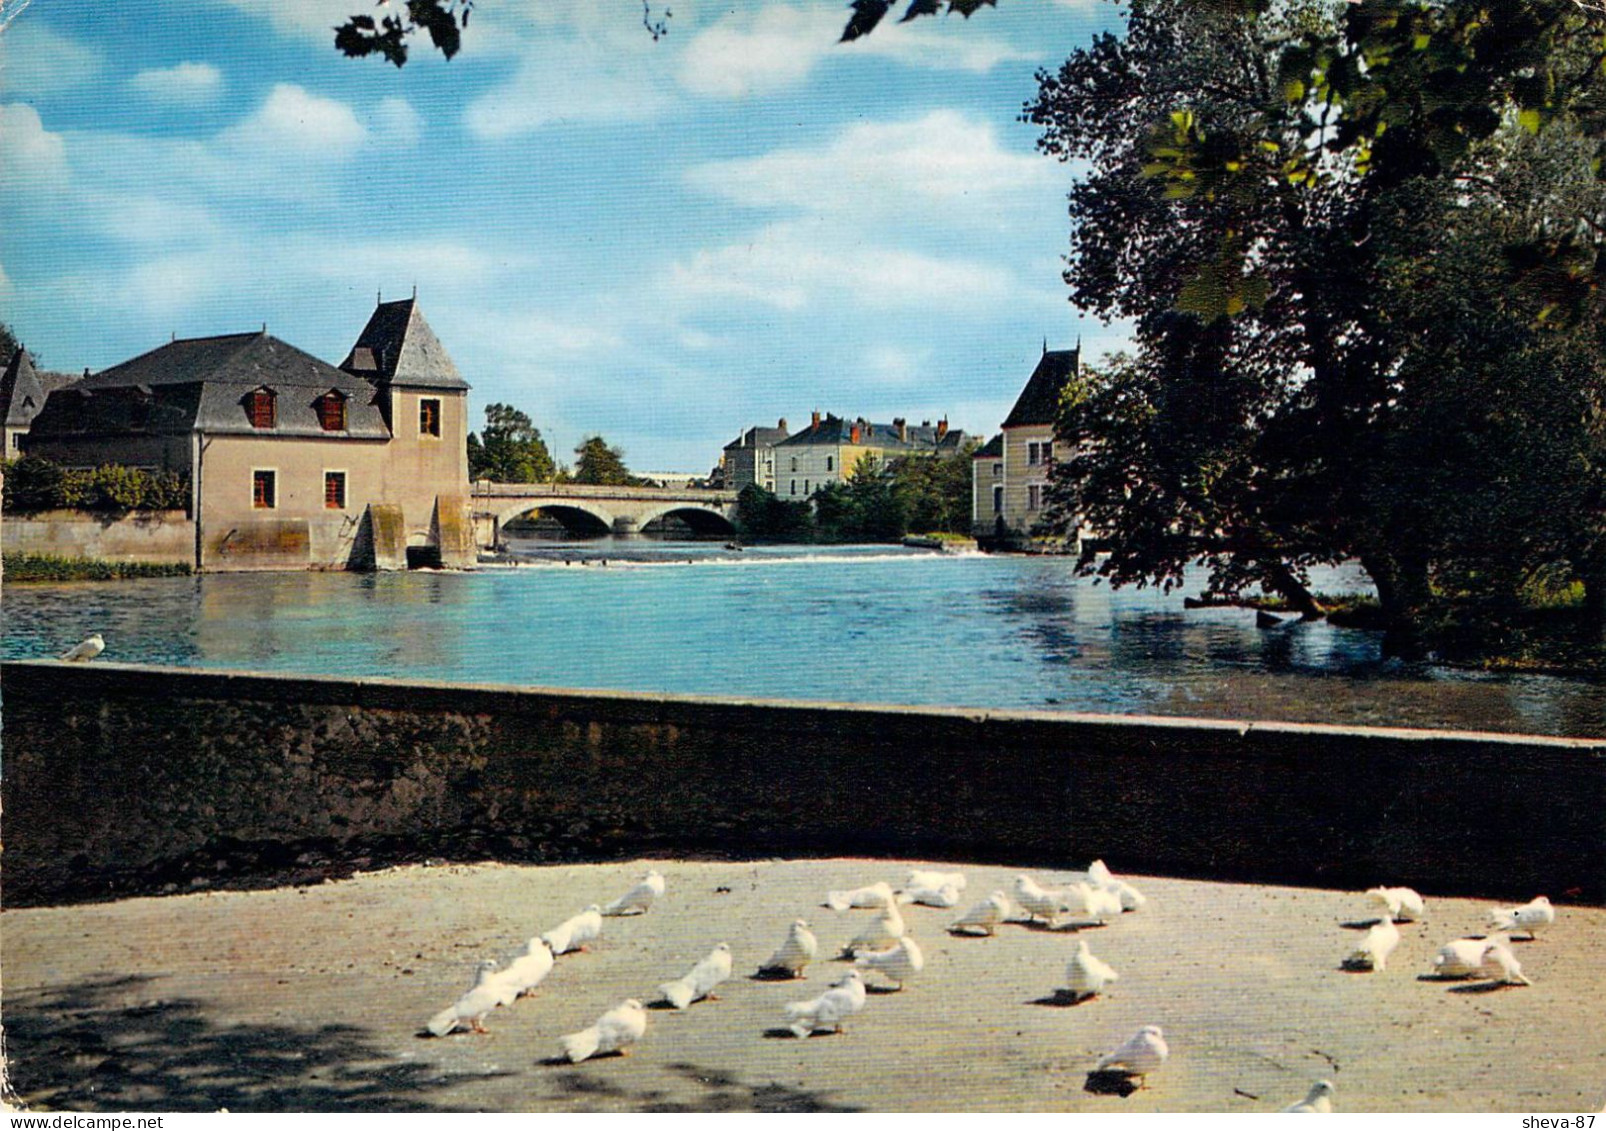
{"x":855,"y":624}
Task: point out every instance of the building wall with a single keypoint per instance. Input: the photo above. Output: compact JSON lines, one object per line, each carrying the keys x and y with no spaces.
{"x":819,"y":464}
{"x":121,"y":777}
{"x":167,"y":537}
{"x":744,"y":466}
{"x":1020,"y":475}
{"x":157,"y":453}
{"x":985,"y":475}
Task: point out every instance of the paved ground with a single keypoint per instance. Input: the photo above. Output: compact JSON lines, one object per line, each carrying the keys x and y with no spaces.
{"x":314,"y":998}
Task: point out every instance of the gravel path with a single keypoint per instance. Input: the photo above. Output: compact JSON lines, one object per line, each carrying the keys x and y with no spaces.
{"x":314,"y":998}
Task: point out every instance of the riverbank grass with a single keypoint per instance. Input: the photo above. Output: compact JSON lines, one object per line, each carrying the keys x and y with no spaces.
{"x":22,"y":568}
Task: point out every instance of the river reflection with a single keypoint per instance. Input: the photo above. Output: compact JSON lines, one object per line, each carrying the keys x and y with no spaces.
{"x":859,"y":624}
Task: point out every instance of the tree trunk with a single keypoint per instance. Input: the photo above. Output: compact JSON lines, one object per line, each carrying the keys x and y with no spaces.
{"x":1403,"y":593}
{"x":1302,"y":600}
{"x":1595,"y":597}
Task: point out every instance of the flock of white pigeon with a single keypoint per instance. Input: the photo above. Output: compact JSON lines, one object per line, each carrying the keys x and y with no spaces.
{"x":885,"y":949}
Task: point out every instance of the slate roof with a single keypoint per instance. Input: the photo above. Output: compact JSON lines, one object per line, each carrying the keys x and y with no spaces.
{"x":1038,"y":402}
{"x":757,"y":438}
{"x":398,"y":348}
{"x":834,"y":430}
{"x":992,"y":449}
{"x":21,"y":394}
{"x":204,"y":383}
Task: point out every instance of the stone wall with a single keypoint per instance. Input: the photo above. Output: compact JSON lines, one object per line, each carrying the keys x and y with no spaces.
{"x":143,"y":536}
{"x":122,"y":778}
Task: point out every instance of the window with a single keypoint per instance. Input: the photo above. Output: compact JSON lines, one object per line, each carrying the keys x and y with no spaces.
{"x":998,"y":500}
{"x":1033,"y":452}
{"x":794,"y":486}
{"x":334,"y":490}
{"x":262,"y":409}
{"x":263,"y":494}
{"x":332,"y":412}
{"x":16,"y":441}
{"x":805,"y":486}
{"x":998,"y":471}
{"x":429,"y":416}
{"x":794,"y":467}
{"x":1048,"y":451}
{"x":828,"y":463}
{"x":1034,"y":497}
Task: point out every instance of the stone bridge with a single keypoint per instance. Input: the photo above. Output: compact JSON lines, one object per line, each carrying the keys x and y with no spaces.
{"x":596,"y":511}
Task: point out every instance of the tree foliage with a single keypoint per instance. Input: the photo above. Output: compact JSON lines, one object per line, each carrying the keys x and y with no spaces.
{"x":512,"y":450}
{"x":1353,"y":291}
{"x":33,"y":484}
{"x":600,"y":465}
{"x":761,"y":516}
{"x":9,"y":345}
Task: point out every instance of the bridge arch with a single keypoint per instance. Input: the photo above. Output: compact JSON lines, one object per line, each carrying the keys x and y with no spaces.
{"x":583,"y":519}
{"x":701,"y":518}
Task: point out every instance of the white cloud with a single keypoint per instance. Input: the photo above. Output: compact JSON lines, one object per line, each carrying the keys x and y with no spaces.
{"x":394,"y":122}
{"x":35,"y":60}
{"x":183,"y":82}
{"x":31,"y":156}
{"x":568,"y":83}
{"x":789,"y":266}
{"x":304,"y":18}
{"x":776,"y":47}
{"x":944,"y":159}
{"x":295,"y":123}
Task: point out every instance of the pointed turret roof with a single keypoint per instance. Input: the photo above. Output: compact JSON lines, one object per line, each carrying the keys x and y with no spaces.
{"x":397,"y":347}
{"x":1038,"y":402}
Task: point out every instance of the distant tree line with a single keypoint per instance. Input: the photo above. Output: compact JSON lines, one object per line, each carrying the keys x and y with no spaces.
{"x":880,"y":501}
{"x":511,"y":450}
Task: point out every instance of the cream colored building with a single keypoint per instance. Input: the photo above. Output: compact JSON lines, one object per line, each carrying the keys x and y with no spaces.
{"x":1010,"y":492}
{"x":830,"y":448}
{"x":293,"y":463}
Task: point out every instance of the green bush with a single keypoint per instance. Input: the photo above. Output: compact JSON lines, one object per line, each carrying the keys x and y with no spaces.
{"x":46,"y":567}
{"x":34,"y":484}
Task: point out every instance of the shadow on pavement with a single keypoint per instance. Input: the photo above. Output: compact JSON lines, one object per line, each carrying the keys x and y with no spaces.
{"x":106,"y":1046}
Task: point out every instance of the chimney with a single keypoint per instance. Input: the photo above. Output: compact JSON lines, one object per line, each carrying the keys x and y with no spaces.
{"x":942,"y":429}
{"x":853,"y":434}
{"x":814,"y":421}
{"x":781,"y":424}
{"x":902,"y":426}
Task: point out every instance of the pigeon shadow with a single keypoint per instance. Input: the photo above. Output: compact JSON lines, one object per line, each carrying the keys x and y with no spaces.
{"x":1361,"y":924}
{"x":1483,"y":988}
{"x":1107,"y":1082}
{"x":661,"y":1006}
{"x":106,"y":1046}
{"x":561,"y":1061}
{"x":1060,"y":999}
{"x":882,"y":989}
{"x":1350,"y":967}
{"x":1444,"y":977}
{"x":773,"y":974}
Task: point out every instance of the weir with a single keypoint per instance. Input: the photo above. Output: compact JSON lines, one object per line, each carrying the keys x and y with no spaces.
{"x":122,"y":778}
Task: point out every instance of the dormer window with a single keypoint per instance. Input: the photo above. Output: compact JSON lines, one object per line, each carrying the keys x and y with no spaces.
{"x":262,"y":407}
{"x":332,"y":411}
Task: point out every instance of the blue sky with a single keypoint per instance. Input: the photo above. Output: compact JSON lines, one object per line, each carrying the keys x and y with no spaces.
{"x":661,"y":242}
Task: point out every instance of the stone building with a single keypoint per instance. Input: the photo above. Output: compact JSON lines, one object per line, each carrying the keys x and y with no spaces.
{"x":23,"y":392}
{"x":750,"y":458}
{"x":293,"y":463}
{"x":1011,"y":486}
{"x":830,"y":448}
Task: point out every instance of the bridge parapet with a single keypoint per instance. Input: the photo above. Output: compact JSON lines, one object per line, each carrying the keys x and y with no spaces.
{"x":488,"y":490}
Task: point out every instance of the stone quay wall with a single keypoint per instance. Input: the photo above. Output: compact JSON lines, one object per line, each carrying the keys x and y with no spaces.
{"x":166,"y":537}
{"x":122,"y":778}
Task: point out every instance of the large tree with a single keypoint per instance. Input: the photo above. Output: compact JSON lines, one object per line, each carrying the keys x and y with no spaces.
{"x":601,"y":465}
{"x":512,"y":450}
{"x":1262,"y":190}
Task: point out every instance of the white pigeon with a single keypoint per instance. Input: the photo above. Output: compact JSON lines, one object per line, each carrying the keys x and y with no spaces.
{"x":829,"y":1009}
{"x":615,"y":1031}
{"x":482,"y":997}
{"x":1100,"y":877}
{"x":1098,"y":904}
{"x":575,"y":932}
{"x":945,"y":896}
{"x":936,"y":880}
{"x":902,"y":961}
{"x":1086,"y":974}
{"x":525,"y":972}
{"x":1529,"y":917}
{"x":1037,"y":902}
{"x":795,"y":953}
{"x":1374,"y":950}
{"x":1404,"y":904}
{"x":881,"y":932}
{"x":1463,"y":958}
{"x":1144,"y":1052}
{"x":1510,"y":969}
{"x":984,"y":917}
{"x":871,"y":895}
{"x":1318,"y":1101}
{"x":84,"y":650}
{"x":700,"y":980}
{"x":638,"y":899}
